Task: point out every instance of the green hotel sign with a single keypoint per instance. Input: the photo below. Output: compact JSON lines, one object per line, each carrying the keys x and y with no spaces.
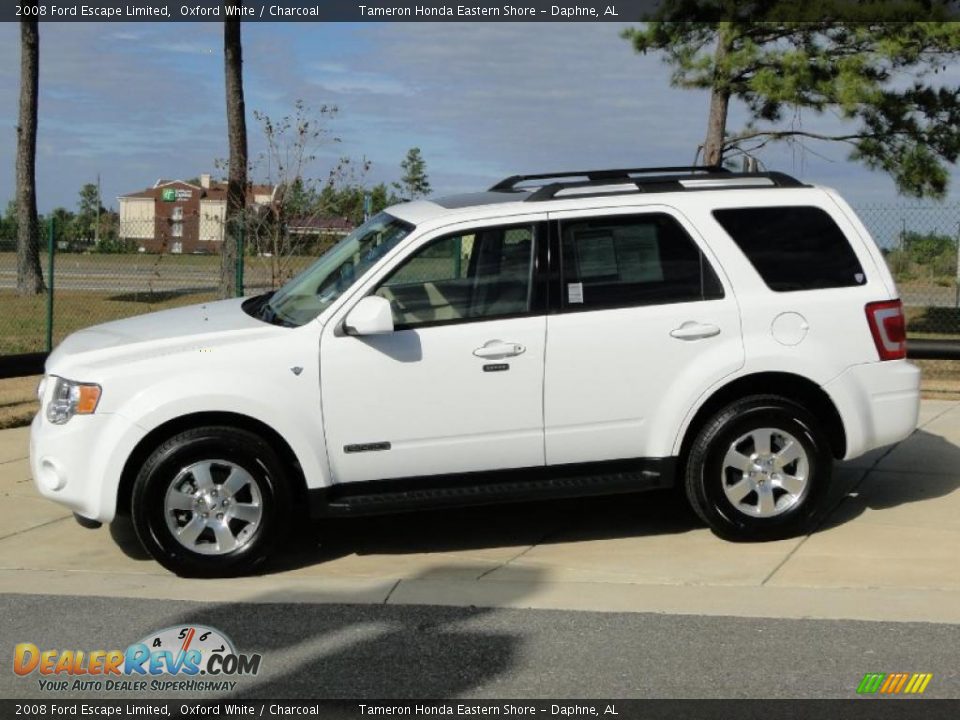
{"x":169,"y":195}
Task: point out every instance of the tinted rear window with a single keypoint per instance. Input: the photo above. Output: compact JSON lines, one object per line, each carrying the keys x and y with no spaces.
{"x":793,"y":248}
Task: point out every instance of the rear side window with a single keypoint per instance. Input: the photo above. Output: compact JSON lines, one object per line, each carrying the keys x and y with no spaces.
{"x":623,"y":261}
{"x":793,"y":248}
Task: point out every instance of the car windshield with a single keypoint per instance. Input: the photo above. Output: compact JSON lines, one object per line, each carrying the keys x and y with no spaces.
{"x":316,"y":288}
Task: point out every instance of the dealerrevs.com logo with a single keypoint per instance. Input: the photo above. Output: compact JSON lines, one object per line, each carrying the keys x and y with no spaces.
{"x":193,"y":658}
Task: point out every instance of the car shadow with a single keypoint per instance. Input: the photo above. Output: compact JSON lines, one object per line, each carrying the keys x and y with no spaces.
{"x":123,"y":534}
{"x":332,"y":650}
{"x":855,"y":490}
{"x":895,"y":479}
{"x":493,"y":526}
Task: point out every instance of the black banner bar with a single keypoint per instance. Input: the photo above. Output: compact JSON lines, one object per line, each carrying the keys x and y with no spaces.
{"x":460,"y":10}
{"x":872,"y":708}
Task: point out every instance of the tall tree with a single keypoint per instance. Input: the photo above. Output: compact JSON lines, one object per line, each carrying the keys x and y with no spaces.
{"x":792,"y":71}
{"x":89,"y":209}
{"x":237,"y":169}
{"x":414,"y":182}
{"x":29,"y":275}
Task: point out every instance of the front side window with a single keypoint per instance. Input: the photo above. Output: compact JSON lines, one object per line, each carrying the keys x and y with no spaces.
{"x":477,"y":274}
{"x":622,"y":261}
{"x":793,"y":248}
{"x":316,"y":288}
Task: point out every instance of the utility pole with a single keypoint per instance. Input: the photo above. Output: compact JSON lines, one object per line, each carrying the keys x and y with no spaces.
{"x":96,"y":228}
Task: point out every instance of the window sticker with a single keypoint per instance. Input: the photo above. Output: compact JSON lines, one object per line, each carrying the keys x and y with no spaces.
{"x":575,"y":293}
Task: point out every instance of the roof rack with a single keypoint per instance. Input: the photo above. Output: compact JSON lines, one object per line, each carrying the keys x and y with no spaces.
{"x":654,"y":179}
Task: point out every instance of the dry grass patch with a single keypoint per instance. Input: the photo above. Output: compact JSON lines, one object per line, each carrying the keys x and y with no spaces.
{"x":18,"y":401}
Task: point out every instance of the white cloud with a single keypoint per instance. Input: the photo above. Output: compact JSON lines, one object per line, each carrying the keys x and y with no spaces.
{"x":482,"y":101}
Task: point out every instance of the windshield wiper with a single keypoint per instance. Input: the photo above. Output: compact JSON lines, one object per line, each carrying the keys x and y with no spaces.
{"x":269,"y":315}
{"x":259,"y":307}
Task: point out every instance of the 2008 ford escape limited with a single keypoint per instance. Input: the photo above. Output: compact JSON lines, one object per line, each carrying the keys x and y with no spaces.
{"x":558,"y":335}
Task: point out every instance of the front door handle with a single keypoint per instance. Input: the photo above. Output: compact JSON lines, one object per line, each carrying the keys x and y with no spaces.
{"x":498,"y":349}
{"x":695,"y":331}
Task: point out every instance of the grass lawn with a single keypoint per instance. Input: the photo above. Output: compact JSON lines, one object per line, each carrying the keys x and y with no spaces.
{"x":23,"y":320}
{"x":18,"y":401}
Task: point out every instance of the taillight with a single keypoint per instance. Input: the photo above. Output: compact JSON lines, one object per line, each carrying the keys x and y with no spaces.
{"x":889,"y":329}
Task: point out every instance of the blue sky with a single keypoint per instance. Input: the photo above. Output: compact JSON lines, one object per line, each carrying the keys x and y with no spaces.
{"x":139,"y":101}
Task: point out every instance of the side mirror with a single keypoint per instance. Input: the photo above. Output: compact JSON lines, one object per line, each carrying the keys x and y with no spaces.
{"x":370,"y":316}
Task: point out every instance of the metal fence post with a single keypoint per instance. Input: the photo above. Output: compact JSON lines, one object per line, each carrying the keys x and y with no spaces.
{"x":956,"y":279}
{"x":239,"y":266}
{"x":50,"y":251}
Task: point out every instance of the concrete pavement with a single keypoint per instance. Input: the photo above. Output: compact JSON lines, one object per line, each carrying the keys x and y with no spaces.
{"x":886,"y":551}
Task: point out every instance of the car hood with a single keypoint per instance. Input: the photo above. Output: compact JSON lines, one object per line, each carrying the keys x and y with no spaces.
{"x":159,"y":332}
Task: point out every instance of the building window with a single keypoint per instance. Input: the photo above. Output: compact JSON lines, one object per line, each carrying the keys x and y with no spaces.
{"x":176,"y":229}
{"x":177,"y":213}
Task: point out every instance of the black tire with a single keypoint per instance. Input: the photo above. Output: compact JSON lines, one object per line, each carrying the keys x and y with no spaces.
{"x":219,"y":450}
{"x":707,"y":472}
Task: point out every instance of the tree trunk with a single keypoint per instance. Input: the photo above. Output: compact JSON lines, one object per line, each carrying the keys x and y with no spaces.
{"x":237,"y":174}
{"x":719,"y":99}
{"x":29,"y":274}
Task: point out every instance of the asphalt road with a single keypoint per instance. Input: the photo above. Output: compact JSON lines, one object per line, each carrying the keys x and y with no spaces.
{"x":384,"y":651}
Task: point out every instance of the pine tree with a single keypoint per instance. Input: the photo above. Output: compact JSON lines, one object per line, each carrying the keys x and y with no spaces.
{"x":788,"y":74}
{"x":414,"y":182}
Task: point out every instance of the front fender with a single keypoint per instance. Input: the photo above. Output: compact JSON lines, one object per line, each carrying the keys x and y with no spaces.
{"x":291,"y":407}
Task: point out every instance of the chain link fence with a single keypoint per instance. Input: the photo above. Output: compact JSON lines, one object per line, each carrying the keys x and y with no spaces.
{"x":921,"y":243}
{"x":144,"y":269}
{"x":151,"y":265}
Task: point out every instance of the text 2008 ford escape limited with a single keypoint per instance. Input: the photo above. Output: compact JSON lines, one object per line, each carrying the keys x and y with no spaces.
{"x":558,"y":335}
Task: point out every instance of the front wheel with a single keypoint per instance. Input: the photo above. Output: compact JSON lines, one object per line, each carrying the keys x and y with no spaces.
{"x":759,"y":469}
{"x":211,"y":502}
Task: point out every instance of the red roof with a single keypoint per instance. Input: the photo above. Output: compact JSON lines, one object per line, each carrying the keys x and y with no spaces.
{"x":216,"y":191}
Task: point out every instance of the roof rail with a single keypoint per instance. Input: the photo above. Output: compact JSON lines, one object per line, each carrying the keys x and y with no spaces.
{"x":662,"y":179}
{"x":623,"y":174}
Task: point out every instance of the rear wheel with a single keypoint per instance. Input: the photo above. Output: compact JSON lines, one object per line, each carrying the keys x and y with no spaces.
{"x":759,"y":469}
{"x":211,"y":502}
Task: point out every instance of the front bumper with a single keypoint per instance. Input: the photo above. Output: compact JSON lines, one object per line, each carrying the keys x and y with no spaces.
{"x":79,"y":464}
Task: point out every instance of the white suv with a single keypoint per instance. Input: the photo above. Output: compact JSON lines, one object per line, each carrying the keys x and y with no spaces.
{"x":558,"y":335}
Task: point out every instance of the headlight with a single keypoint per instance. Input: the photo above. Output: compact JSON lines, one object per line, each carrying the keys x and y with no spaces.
{"x":72,"y":398}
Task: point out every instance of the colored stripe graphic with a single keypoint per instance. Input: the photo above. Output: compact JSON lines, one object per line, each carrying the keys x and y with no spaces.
{"x":871,"y":683}
{"x":894,"y":683}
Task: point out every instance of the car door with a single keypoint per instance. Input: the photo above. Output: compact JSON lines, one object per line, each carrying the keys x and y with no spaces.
{"x":458,"y":386}
{"x":643,"y":325}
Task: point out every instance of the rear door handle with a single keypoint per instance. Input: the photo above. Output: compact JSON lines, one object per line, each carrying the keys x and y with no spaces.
{"x":499,"y":349}
{"x":695,"y":331}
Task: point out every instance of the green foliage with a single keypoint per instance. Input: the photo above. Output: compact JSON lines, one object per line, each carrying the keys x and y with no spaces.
{"x":113,"y":245}
{"x":414,"y":182}
{"x":64,"y":226}
{"x":346,"y":201}
{"x":8,"y":226}
{"x":85,"y":220}
{"x":787,"y":65}
{"x":927,"y":255}
{"x":925,"y":248}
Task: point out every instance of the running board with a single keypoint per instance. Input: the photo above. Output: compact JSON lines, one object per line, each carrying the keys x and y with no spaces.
{"x":380,"y":497}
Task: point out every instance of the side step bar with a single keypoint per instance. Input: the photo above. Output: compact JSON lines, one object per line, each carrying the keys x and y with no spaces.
{"x":381,"y":497}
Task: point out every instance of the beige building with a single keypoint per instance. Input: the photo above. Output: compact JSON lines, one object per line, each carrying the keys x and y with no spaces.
{"x":179,"y":217}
